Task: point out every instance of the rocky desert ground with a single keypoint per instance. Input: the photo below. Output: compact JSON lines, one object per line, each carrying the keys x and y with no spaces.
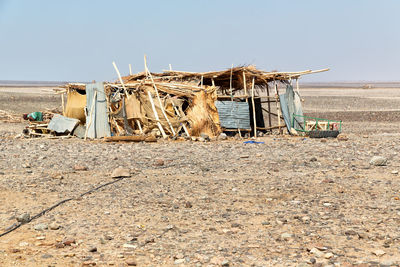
{"x":291,"y":201}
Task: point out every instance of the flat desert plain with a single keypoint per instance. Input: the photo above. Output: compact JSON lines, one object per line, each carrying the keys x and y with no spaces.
{"x":291,"y":201}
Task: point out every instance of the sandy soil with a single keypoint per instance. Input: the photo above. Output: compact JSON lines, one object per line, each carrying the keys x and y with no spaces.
{"x":288,"y":202}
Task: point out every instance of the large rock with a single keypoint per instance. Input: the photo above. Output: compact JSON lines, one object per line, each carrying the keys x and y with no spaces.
{"x":120,"y":172}
{"x":378,"y":161}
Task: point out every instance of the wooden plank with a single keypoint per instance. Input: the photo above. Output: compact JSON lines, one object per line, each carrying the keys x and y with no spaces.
{"x":131,"y":138}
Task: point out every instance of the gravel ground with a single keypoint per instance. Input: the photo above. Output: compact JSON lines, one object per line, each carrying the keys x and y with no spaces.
{"x":288,"y":202}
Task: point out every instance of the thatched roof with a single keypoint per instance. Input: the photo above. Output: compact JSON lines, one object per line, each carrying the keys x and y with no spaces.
{"x":222,"y":78}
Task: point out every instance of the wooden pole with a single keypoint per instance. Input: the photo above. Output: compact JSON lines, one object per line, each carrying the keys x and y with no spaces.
{"x":91,"y":114}
{"x":278,"y":108}
{"x":245,"y":85}
{"x":254,"y":108}
{"x":230,"y":82}
{"x":158,"y":97}
{"x":130,"y":69}
{"x":120,"y":79}
{"x":140,"y":126}
{"x":170,"y":67}
{"x":62,"y":104}
{"x":269,"y":108}
{"x":156,"y":115}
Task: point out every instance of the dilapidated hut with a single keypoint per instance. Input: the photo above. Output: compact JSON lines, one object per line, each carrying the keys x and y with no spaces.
{"x":178,"y":103}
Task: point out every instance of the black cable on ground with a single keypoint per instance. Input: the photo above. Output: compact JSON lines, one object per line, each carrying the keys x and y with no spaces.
{"x":40,"y":214}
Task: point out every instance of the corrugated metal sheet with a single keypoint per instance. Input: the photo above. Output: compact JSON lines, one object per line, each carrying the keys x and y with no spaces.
{"x":98,"y":125}
{"x":61,"y":124}
{"x":233,"y":115}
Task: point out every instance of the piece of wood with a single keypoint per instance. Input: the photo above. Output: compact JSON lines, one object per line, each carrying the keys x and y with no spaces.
{"x":120,"y":79}
{"x":170,"y":67}
{"x":269,"y":108}
{"x":158,"y":97}
{"x":179,"y":116}
{"x":140,"y":126}
{"x":62,"y":104}
{"x":276,"y":115}
{"x":156,"y":115}
{"x":91,"y":114}
{"x":254,"y":108}
{"x":245,"y":86}
{"x":270,"y":128}
{"x":230,"y":81}
{"x":131,"y":138}
{"x":130,"y":69}
{"x":244,"y":96}
{"x":278,"y":106}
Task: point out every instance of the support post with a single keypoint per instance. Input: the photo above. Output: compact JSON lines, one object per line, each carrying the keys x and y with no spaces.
{"x":278,"y":108}
{"x":254,"y":109}
{"x":245,"y":86}
{"x":269,"y":108}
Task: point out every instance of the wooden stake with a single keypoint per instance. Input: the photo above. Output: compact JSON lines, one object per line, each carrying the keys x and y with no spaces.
{"x":278,"y":108}
{"x":245,"y":85}
{"x":230,"y":82}
{"x":170,"y":67}
{"x":91,"y":114}
{"x":130,"y":69}
{"x":158,"y":97}
{"x":269,"y":107}
{"x":62,"y":104}
{"x":254,"y":108}
{"x":120,"y":79}
{"x":139,"y":125}
{"x":156,"y":115}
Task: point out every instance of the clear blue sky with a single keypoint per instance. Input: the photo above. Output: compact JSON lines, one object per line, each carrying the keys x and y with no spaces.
{"x":76,"y":40}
